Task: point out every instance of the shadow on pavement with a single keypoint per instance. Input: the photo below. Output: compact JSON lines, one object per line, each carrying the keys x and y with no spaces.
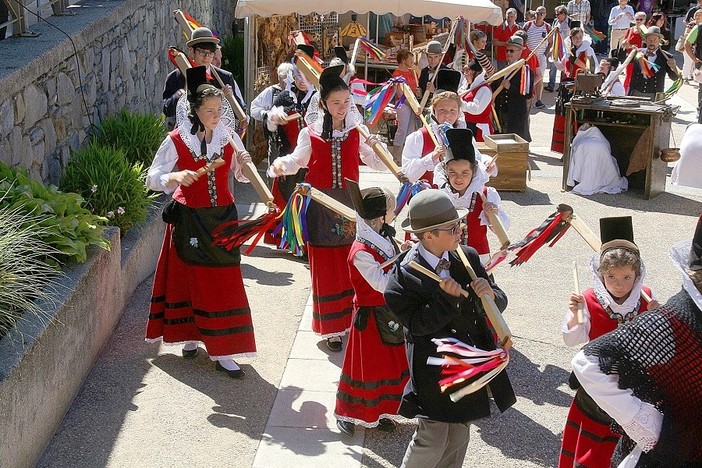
{"x":668,"y":203}
{"x":539,"y":386}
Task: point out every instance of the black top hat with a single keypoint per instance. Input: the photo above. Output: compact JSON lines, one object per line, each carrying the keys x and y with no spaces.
{"x":617,"y":232}
{"x":201,"y":36}
{"x":431,"y":209}
{"x":369,"y":203}
{"x":460,"y":145}
{"x":448,"y":79}
{"x":196,"y":80}
{"x":575,"y":24}
{"x":307,"y":49}
{"x":330,"y":79}
{"x":695,"y":258}
{"x":341,"y":53}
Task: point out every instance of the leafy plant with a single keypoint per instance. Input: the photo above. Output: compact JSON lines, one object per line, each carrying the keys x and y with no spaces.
{"x":111,"y":186}
{"x":233,"y":58}
{"x":24,"y":272}
{"x":66,"y":224}
{"x":139,"y":136}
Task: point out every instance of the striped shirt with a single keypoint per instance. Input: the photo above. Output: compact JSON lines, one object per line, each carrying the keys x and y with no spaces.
{"x":535,"y":35}
{"x":579,"y":11}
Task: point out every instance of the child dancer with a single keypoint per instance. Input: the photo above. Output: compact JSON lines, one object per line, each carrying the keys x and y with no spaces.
{"x":198,"y":294}
{"x":616,"y":298}
{"x":330,"y":147}
{"x":465,"y":185}
{"x":375,"y":366}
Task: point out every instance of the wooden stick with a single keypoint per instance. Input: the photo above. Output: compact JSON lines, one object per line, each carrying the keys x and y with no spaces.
{"x":307,"y":69}
{"x":183,"y":22}
{"x":496,"y":225}
{"x":328,"y":202}
{"x":576,"y":283}
{"x":251,"y":173}
{"x":607,"y":87}
{"x":449,"y":39}
{"x":382,"y":154}
{"x":390,"y":260}
{"x":427,"y":272}
{"x":210,"y":167}
{"x":354,"y":54}
{"x":493,"y":313}
{"x":429,"y":131}
{"x":181,"y":61}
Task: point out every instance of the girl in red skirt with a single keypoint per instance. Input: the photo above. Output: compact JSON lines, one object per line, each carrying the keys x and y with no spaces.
{"x":375,"y":370}
{"x":331,"y":149}
{"x":618,"y":273}
{"x":198,"y":294}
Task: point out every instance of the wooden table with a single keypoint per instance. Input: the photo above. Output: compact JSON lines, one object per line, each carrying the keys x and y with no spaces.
{"x":623,"y":126}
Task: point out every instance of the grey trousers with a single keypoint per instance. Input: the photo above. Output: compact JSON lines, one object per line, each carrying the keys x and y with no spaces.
{"x":437,"y":444}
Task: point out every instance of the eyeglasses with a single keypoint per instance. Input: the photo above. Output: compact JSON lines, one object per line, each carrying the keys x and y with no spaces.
{"x":453,"y":230}
{"x":511,"y":51}
{"x":204,"y":53}
{"x":540,"y":14}
{"x":638,"y":20}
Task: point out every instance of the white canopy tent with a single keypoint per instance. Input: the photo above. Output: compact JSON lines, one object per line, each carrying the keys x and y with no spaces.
{"x":473,"y":10}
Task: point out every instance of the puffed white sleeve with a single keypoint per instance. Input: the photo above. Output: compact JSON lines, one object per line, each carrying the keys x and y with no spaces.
{"x":640,"y":420}
{"x":299,"y":158}
{"x":580,"y":333}
{"x":368,"y":155}
{"x":493,"y":197}
{"x":481,"y":101}
{"x":235,"y":166}
{"x":414,"y":165}
{"x":261,"y":104}
{"x":370,"y":270}
{"x":440,"y":178}
{"x":162,"y":165}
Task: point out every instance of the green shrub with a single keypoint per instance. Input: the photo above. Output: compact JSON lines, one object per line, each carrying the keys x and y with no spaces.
{"x":139,"y":136}
{"x":24,"y":273}
{"x":233,"y":58}
{"x":66,"y":224}
{"x":111,"y":186}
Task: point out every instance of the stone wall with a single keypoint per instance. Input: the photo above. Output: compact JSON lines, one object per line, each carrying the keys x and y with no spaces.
{"x":122,"y":57}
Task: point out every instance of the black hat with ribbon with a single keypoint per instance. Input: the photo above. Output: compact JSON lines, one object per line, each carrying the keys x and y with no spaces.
{"x":307,"y":49}
{"x":460,"y":145}
{"x":369,"y":203}
{"x":447,"y":79}
{"x":330,"y":79}
{"x":341,"y":53}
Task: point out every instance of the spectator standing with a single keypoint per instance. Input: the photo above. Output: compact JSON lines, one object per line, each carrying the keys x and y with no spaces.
{"x":518,"y":6}
{"x":562,"y":22}
{"x":536,"y":31}
{"x":620,"y":18}
{"x":690,"y":15}
{"x":633,"y":39}
{"x":659,"y":19}
{"x":579,"y":10}
{"x":501,"y":36}
{"x":693,"y":49}
{"x":406,"y":121}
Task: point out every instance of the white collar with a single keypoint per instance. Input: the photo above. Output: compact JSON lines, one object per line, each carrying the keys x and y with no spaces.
{"x":365,"y":232}
{"x":679,"y":255}
{"x":634,"y":296}
{"x":430,"y":258}
{"x":220,"y":138}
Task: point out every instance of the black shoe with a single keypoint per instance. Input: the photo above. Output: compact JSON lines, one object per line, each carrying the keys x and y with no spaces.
{"x":539,"y":105}
{"x":234,"y":374}
{"x":386,"y":425}
{"x":190,"y":353}
{"x":346,"y":428}
{"x":334,"y":345}
{"x":548,"y":89}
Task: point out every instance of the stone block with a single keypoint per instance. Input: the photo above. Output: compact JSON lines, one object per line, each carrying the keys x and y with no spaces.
{"x":7,"y":118}
{"x":60,"y":127}
{"x":20,"y":109}
{"x":49,"y":134}
{"x":65,"y":90}
{"x":36,"y":105}
{"x":50,"y":85}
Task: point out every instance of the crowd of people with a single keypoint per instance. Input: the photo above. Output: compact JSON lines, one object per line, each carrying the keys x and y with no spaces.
{"x":392,"y":300}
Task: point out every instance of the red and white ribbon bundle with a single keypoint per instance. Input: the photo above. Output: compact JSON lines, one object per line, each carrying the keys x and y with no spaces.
{"x":462,"y":362}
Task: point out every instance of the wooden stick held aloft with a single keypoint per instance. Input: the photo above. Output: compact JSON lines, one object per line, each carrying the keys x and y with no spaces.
{"x":576,"y":283}
{"x":427,"y":272}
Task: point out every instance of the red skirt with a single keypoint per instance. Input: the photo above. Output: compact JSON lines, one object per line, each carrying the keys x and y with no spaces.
{"x":557,"y":141}
{"x":332,"y":293}
{"x":197,"y":303}
{"x":586,"y":443}
{"x":372,"y":378}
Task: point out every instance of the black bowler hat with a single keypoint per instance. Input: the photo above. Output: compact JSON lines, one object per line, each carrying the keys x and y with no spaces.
{"x":307,"y":49}
{"x":460,"y":145}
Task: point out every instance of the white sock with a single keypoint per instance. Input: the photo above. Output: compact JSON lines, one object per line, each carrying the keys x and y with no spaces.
{"x":229,"y":364}
{"x":190,"y":346}
{"x":334,"y":339}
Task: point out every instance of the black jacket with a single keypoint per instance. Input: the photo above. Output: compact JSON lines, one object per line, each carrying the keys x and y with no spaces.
{"x":175,"y":81}
{"x":655,"y":84}
{"x":427,"y":312}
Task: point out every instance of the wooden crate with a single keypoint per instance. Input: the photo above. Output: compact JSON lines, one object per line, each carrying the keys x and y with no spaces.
{"x":507,"y":143}
{"x":512,"y":168}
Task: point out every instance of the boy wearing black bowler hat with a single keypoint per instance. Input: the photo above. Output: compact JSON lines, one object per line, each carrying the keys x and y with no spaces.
{"x":429,"y":309}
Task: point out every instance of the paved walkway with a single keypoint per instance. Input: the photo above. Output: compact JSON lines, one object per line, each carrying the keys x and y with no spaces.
{"x":143,"y":405}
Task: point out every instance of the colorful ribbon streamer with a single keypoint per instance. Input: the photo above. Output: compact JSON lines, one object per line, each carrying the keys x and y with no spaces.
{"x":372,"y":49}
